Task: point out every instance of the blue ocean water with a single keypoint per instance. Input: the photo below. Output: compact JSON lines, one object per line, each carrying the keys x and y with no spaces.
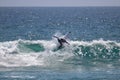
{"x":29,"y":52}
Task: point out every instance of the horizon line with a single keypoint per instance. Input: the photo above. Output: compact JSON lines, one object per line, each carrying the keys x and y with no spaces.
{"x":60,"y":6}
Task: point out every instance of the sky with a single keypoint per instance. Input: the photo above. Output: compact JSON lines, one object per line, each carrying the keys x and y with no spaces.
{"x":52,"y":3}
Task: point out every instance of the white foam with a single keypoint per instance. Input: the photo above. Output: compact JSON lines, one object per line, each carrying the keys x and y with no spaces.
{"x":10,"y":56}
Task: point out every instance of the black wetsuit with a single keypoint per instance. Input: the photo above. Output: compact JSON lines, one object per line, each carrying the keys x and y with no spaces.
{"x":61,"y":41}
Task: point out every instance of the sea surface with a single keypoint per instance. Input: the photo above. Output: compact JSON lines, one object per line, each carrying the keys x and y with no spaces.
{"x":28,"y":50}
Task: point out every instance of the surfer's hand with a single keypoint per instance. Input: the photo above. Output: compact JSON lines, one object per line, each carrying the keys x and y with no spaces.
{"x":67,"y":43}
{"x":55,"y":37}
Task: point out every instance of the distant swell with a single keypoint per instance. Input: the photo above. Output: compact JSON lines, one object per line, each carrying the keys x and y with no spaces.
{"x":43,"y":52}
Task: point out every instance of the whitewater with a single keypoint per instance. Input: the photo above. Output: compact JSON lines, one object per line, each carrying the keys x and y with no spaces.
{"x":44,"y":53}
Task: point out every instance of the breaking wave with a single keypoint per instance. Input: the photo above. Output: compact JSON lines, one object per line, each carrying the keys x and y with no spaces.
{"x":45,"y":53}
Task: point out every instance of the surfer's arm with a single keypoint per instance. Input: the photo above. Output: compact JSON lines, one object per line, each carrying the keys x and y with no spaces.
{"x":56,"y":37}
{"x":67,"y":42}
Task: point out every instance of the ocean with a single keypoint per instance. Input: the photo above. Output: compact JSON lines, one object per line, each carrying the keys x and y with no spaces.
{"x":28,"y":50}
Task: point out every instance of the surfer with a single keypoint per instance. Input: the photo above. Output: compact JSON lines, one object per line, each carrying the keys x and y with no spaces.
{"x":62,"y":40}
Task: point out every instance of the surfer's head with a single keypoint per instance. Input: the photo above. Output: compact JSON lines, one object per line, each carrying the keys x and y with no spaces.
{"x":63,"y":40}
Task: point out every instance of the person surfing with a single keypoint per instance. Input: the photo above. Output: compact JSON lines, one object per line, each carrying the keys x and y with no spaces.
{"x":61,"y":41}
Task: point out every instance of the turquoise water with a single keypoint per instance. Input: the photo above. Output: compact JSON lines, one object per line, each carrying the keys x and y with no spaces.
{"x":29,"y":52}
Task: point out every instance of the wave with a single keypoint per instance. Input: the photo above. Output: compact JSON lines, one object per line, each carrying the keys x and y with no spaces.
{"x":43,"y":53}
